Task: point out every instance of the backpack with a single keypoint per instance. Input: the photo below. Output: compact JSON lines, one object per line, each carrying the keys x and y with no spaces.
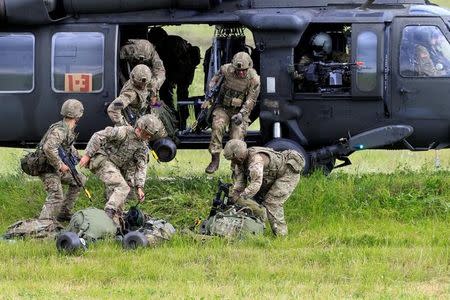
{"x":168,"y":118}
{"x":232,"y":222}
{"x":34,"y":228}
{"x":35,"y":163}
{"x":92,"y":224}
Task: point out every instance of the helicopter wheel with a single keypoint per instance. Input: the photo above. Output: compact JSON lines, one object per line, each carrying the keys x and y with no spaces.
{"x":280,"y":144}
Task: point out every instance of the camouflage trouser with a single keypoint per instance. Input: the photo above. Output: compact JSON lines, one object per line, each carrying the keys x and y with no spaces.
{"x":274,"y":200}
{"x":56,"y":202}
{"x":221,"y":120}
{"x":116,"y":186}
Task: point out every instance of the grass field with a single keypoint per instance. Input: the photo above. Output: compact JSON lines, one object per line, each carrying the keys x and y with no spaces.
{"x":378,"y":229}
{"x":358,"y":233}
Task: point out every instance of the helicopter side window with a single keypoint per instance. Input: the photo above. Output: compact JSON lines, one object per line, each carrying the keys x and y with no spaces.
{"x":77,"y":62}
{"x":366,"y":52}
{"x":16,"y":62}
{"x":424,"y":52}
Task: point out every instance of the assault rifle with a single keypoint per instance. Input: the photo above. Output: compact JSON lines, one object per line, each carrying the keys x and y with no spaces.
{"x":203,"y":119}
{"x":129,"y":116}
{"x":71,"y":161}
{"x":220,"y":201}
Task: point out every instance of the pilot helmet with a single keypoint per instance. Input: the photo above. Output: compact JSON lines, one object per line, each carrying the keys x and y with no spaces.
{"x":72,"y":108}
{"x":141,"y":74}
{"x":242,"y":61}
{"x":149,"y":123}
{"x":321,"y":44}
{"x":235,"y":149}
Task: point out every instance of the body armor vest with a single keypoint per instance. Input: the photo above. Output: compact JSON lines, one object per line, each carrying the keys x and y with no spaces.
{"x":69,"y":136}
{"x":276,"y":165}
{"x":139,"y":106}
{"x":234,"y":87}
{"x":122,"y":153}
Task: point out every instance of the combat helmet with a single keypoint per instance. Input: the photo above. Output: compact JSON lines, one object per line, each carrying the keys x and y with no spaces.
{"x":150,"y":124}
{"x":321,"y":44}
{"x":242,"y":61}
{"x":235,"y":148}
{"x":72,"y":108}
{"x":141,"y":74}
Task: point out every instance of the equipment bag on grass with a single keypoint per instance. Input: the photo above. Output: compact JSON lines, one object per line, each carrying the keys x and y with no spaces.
{"x":92,"y":224}
{"x":232,"y":222}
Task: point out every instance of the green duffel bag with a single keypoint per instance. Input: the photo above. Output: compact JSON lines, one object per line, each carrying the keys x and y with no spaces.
{"x":232,"y":222}
{"x":92,"y":224}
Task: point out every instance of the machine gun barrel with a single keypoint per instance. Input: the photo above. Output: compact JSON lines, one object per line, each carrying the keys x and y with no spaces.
{"x":71,"y":161}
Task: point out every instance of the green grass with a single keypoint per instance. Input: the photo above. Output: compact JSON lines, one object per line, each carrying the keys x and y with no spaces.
{"x":352,"y":235}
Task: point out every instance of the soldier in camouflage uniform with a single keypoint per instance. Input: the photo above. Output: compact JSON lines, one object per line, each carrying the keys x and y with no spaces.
{"x":143,"y":52}
{"x":134,"y":96}
{"x":266,"y":175}
{"x":236,"y":99}
{"x":118,"y":156}
{"x":61,"y":134}
{"x":426,"y":64}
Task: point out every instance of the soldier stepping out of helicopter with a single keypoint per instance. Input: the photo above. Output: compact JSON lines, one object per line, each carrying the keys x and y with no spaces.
{"x":236,"y":100}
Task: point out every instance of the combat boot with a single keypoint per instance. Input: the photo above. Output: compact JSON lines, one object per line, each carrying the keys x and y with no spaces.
{"x":214,"y":164}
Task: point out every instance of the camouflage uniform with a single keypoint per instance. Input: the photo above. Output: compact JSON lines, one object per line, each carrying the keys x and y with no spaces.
{"x":236,"y":96}
{"x":269,"y":177}
{"x":119,"y":159}
{"x":424,"y":65}
{"x":143,"y":52}
{"x":132,"y":97}
{"x":58,"y":205}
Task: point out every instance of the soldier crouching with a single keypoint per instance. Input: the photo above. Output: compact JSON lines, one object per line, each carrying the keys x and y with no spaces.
{"x":236,"y":100}
{"x":268,"y":174}
{"x":118,"y":155}
{"x":61,"y":134}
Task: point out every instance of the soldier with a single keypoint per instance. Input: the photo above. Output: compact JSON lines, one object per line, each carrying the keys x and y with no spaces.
{"x":266,"y":175}
{"x":180,"y":59}
{"x":322,"y":50}
{"x":133,"y":95}
{"x":118,"y":156}
{"x":426,"y":60}
{"x":236,"y":99}
{"x":61,"y":134}
{"x":143,"y":52}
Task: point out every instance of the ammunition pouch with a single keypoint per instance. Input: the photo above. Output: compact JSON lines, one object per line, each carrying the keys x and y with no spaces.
{"x":294,"y":160}
{"x":35,"y":163}
{"x":232,"y":102}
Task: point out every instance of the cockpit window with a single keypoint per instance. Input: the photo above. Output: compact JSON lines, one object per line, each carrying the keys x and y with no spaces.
{"x":366,"y":54}
{"x":77,"y":62}
{"x":16,"y":63}
{"x":424,"y":52}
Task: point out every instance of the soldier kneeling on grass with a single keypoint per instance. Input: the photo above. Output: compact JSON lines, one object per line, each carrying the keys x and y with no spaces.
{"x":118,"y":156}
{"x":264,"y":174}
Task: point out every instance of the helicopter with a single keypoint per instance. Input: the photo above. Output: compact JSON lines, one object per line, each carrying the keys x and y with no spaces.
{"x":51,"y":50}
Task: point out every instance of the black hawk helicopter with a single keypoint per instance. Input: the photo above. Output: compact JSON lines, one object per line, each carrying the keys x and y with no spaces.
{"x":376,"y":95}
